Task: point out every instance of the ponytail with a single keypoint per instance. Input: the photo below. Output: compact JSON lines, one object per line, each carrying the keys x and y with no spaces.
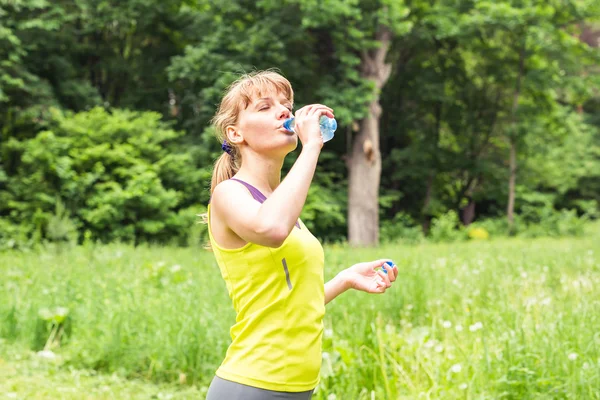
{"x":225,"y":168}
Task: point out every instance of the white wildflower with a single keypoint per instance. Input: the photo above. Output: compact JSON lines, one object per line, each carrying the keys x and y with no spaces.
{"x":573,"y":356}
{"x":463,"y":386}
{"x":546,"y":301}
{"x":47,"y":354}
{"x":447,"y":324}
{"x":456,"y":368}
{"x":459,"y":328}
{"x":476,"y":326}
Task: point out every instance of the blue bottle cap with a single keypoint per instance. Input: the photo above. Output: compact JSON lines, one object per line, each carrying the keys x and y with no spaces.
{"x":390,"y":263}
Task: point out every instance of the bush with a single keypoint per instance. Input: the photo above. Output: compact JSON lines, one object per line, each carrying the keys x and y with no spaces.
{"x":401,"y":228}
{"x":478,"y":233}
{"x":495,"y":227}
{"x":445,"y":228}
{"x":551,"y":222}
{"x":121,"y":176}
{"x":324,"y":212}
{"x":15,"y":236}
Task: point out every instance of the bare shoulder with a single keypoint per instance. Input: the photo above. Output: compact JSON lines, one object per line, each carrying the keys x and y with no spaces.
{"x":228,"y":194}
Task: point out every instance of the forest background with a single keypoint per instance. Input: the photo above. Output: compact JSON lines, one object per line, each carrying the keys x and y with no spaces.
{"x":457,"y":119}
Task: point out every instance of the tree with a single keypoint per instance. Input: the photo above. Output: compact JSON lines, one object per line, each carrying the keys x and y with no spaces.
{"x":531,"y":44}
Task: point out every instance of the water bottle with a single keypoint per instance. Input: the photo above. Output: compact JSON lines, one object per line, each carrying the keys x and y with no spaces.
{"x":328,"y":127}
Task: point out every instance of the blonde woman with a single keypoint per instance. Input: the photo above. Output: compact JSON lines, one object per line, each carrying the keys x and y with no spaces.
{"x":271,"y":263}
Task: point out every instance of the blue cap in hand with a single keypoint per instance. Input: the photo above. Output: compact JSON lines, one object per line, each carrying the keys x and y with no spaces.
{"x":390,"y":263}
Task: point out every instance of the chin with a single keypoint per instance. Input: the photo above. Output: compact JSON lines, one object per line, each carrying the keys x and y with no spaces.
{"x":283,"y":147}
{"x":293,"y":144}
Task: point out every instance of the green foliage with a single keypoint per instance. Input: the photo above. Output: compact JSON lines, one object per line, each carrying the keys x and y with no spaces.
{"x":402,"y":228}
{"x":15,"y":235}
{"x":546,"y":221}
{"x":450,"y":109}
{"x":60,"y":227}
{"x":326,"y":207}
{"x":118,"y":174}
{"x":495,"y":227}
{"x":446,"y":228}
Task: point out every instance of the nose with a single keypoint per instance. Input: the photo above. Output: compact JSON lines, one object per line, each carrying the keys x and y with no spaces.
{"x":284,"y":113}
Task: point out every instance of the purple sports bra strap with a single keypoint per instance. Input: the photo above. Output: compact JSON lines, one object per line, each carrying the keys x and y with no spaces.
{"x":258,"y":196}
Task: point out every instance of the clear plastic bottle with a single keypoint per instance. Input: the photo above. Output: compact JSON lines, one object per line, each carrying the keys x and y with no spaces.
{"x":328,"y":127}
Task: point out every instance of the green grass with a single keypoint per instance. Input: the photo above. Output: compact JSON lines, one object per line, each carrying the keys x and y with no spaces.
{"x":504,"y":319}
{"x":24,"y":375}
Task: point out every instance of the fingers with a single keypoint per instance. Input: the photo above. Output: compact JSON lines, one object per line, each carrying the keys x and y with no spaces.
{"x":392,"y":272}
{"x":386,"y":275}
{"x":315,"y":109}
{"x":382,"y":264}
{"x":318,"y":110}
{"x":379,"y":263}
{"x":381,"y":285}
{"x":307,"y":123}
{"x":385,"y":278}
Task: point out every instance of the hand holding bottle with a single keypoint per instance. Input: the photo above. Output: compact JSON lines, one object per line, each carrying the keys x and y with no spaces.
{"x":307,"y":124}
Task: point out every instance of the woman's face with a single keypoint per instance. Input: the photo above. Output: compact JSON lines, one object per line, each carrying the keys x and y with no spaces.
{"x":260,"y":125}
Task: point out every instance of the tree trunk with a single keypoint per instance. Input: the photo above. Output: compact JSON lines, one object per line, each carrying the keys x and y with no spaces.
{"x":426,"y":215}
{"x":433,"y":169}
{"x":510,"y":209}
{"x":468,"y":213}
{"x":511,"y":184}
{"x":364,"y":161}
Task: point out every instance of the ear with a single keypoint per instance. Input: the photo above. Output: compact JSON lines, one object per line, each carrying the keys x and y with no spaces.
{"x":234,"y":135}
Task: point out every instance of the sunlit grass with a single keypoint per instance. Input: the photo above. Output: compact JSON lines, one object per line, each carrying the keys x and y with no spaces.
{"x":510,"y":319}
{"x":25,"y":375}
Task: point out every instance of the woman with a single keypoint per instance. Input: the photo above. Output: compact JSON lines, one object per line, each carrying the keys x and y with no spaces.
{"x":272,"y":265}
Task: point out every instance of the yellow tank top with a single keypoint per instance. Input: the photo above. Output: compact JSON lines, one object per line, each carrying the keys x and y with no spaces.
{"x":279,"y":298}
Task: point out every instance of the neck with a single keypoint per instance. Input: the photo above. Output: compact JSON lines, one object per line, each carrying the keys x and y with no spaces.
{"x":260,"y":171}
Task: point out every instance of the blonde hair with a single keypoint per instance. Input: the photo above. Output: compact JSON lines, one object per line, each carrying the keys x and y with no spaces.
{"x":236,"y":98}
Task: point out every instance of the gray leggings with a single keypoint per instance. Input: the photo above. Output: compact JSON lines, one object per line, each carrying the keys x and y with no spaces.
{"x":221,"y":389}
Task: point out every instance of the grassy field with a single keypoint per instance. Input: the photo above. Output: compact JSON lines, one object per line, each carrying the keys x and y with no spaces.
{"x":504,"y":319}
